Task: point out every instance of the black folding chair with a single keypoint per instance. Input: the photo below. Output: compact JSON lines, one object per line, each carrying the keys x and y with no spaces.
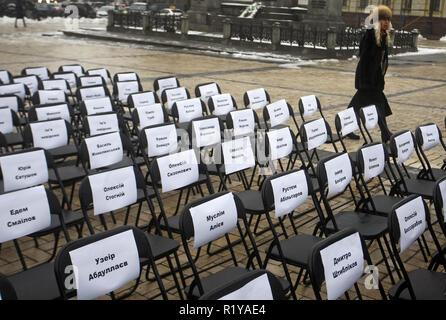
{"x":78,"y":70}
{"x":93,"y":92}
{"x":91,"y":81}
{"x":221,"y":104}
{"x":7,"y":291}
{"x":5,"y":77}
{"x":278,"y":113}
{"x":439,"y":203}
{"x":170,"y":96}
{"x":207,"y":90}
{"x":163,"y":83}
{"x":10,"y":129}
{"x":184,"y":111}
{"x":104,"y":73}
{"x":42,"y":72}
{"x":31,"y":82}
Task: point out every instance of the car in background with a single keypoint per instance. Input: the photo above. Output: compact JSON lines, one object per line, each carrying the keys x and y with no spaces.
{"x":84,"y":10}
{"x":170,"y":12}
{"x":103,"y":11}
{"x":138,"y":7}
{"x":155,"y":7}
{"x":58,"y":10}
{"x":7,"y":8}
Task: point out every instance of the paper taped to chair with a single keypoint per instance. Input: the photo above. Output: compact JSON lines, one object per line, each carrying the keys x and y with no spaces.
{"x":127,"y":76}
{"x":92,"y":93}
{"x":178,"y":170}
{"x":339,"y":173}
{"x":17,"y":89}
{"x":49,"y":134}
{"x":99,"y":105}
{"x":161,"y":140}
{"x":257,"y":98}
{"x":213,"y":219}
{"x":223,"y":104}
{"x":174,"y":95}
{"x":76,"y":69}
{"x":374,"y":161}
{"x":290,"y":192}
{"x":280,"y":143}
{"x":442,"y":187}
{"x":405,"y":146}
{"x":31,"y":82}
{"x":104,"y":150}
{"x":41,"y":72}
{"x":343,"y":263}
{"x":23,"y":212}
{"x":59,"y":111}
{"x":243,"y":121}
{"x":189,"y":110}
{"x":143,"y":99}
{"x":431,"y":136}
{"x":51,"y":96}
{"x":4,"y":77}
{"x":208,"y":91}
{"x":103,"y":123}
{"x":412,"y":222}
{"x":278,"y":112}
{"x":238,"y":155}
{"x":309,"y":104}
{"x":348,"y":121}
{"x":91,"y":81}
{"x":10,"y":102}
{"x":55,"y":84}
{"x":70,"y":77}
{"x":126,"y":88}
{"x":100,"y":72}
{"x":113,"y":190}
{"x":256,"y":289}
{"x":24,"y":170}
{"x":150,"y":115}
{"x":105,"y":265}
{"x":316,"y":132}
{"x":167,"y":83}
{"x":206,"y":132}
{"x":6,"y":123}
{"x":370,"y":117}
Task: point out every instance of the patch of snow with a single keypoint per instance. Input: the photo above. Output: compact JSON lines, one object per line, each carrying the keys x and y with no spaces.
{"x":443,"y":39}
{"x":421,"y":51}
{"x":420,"y":37}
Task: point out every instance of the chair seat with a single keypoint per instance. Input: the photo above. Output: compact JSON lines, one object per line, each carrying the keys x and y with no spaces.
{"x":368,"y":225}
{"x":66,"y":174}
{"x":252,"y":201}
{"x":161,"y":246}
{"x":38,"y":283}
{"x":70,"y":218}
{"x":64,"y":151}
{"x":427,"y":285}
{"x":174,"y":223}
{"x":383,"y":204}
{"x":334,"y":138}
{"x":296,"y":249}
{"x":13,"y":138}
{"x":424,"y":188}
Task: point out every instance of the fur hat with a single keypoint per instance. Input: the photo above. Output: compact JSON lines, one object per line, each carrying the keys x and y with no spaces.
{"x":384,"y":12}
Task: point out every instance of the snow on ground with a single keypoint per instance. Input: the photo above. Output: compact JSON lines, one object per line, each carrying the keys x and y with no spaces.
{"x":443,"y":39}
{"x":421,"y":51}
{"x":55,"y":20}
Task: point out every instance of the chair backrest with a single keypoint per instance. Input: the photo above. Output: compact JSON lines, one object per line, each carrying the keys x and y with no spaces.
{"x":372,"y":159}
{"x":50,"y":112}
{"x":314,"y":133}
{"x":369,"y":119}
{"x":92,"y":93}
{"x":104,"y":73}
{"x":207,"y":90}
{"x":7,"y":291}
{"x":125,"y":76}
{"x":149,"y":115}
{"x":55,"y":84}
{"x":277,"y":113}
{"x":402,"y":146}
{"x":237,"y":155}
{"x":159,"y":140}
{"x":170,"y":96}
{"x":334,"y":174}
{"x":48,"y":134}
{"x":17,"y":89}
{"x":339,"y":261}
{"x":142,"y":99}
{"x":8,"y":120}
{"x":91,"y":81}
{"x":206,"y":131}
{"x":346,"y":122}
{"x":49,"y":96}
{"x":107,"y":122}
{"x":31,"y":82}
{"x":221,"y":104}
{"x":69,"y":76}
{"x":440,"y":203}
{"x":308,"y":106}
{"x":254,"y":285}
{"x":5,"y":77}
{"x":279,"y":143}
{"x":188,"y":110}
{"x":101,"y":263}
{"x":256,"y":98}
{"x":164,"y":83}
{"x":42,"y":72}
{"x":242,"y":122}
{"x":13,"y":102}
{"x":95,"y":106}
{"x":122,"y":89}
{"x":427,"y":137}
{"x":78,"y":70}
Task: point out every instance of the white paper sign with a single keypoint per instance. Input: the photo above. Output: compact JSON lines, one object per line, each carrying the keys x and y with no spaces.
{"x":49,"y":134}
{"x":278,"y":112}
{"x":100,"y":72}
{"x":189,"y":110}
{"x":113,"y":190}
{"x":4,"y":77}
{"x":280,"y":143}
{"x":100,"y":105}
{"x":431,"y":136}
{"x":16,"y":89}
{"x":238,"y":155}
{"x":24,"y":170}
{"x":223,"y":104}
{"x":374,"y":161}
{"x":257,"y":98}
{"x":58,"y":84}
{"x":126,"y":88}
{"x":208,"y":91}
{"x":69,"y":76}
{"x":206,"y":132}
{"x":143,"y":99}
{"x":174,"y":95}
{"x":91,"y":81}
{"x":51,"y":96}
{"x":103,"y":123}
{"x":213,"y":219}
{"x":316,"y":132}
{"x":243,"y":121}
{"x":30,"y":81}
{"x":404,"y":145}
{"x":178,"y":170}
{"x":310,"y":105}
{"x":290,"y":192}
{"x":10,"y":102}
{"x":127,"y":76}
{"x":6,"y":124}
{"x":104,"y":150}
{"x":343,"y":263}
{"x":412,"y":222}
{"x":257,"y":289}
{"x":105,"y":265}
{"x":161,"y":140}
{"x":41,"y":72}
{"x":348,"y":120}
{"x":92,"y":93}
{"x":150,"y":115}
{"x":76,"y":69}
{"x":60,"y":111}
{"x":23,"y":212}
{"x":370,"y":117}
{"x":339,"y":173}
{"x":167,"y":83}
{"x":442,"y":187}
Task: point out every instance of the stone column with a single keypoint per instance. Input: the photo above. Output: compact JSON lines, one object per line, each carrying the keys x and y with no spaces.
{"x":275,"y":36}
{"x":184,"y":26}
{"x":392,"y":37}
{"x":226,"y":30}
{"x":415,"y":34}
{"x":145,"y":23}
{"x":110,"y":20}
{"x":331,"y":38}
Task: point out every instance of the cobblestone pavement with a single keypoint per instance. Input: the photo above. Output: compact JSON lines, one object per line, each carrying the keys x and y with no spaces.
{"x":415,"y":87}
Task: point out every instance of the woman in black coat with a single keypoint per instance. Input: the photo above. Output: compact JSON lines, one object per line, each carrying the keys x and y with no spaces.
{"x":20,"y":12}
{"x":371,"y":69}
